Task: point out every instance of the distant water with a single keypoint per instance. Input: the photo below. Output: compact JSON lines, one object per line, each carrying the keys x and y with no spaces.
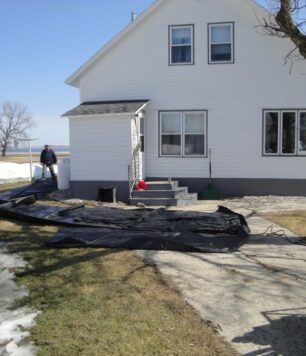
{"x":62,"y":149}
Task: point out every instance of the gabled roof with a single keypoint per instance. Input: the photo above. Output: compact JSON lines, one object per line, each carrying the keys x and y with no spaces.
{"x":73,"y":79}
{"x":108,"y":108}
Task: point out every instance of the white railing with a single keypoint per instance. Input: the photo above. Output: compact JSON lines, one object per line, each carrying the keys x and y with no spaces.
{"x":134,"y":169}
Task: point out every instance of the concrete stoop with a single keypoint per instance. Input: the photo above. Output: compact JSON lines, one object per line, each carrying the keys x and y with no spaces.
{"x":163,"y":194}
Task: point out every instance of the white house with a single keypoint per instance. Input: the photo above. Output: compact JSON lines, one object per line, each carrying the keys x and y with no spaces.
{"x":186,"y":77}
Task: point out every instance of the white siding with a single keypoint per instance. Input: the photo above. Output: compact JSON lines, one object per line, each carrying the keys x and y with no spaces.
{"x":234,"y":94}
{"x":100,"y":148}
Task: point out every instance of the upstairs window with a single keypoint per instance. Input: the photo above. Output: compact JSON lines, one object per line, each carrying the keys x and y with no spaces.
{"x":221,"y":43}
{"x":181,"y":44}
{"x":284,"y":132}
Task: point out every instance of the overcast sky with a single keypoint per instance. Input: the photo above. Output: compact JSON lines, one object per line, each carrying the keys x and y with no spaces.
{"x":43,"y":42}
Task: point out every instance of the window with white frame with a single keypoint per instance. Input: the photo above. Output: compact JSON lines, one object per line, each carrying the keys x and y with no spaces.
{"x":302,"y":133}
{"x":183,"y":133}
{"x":284,"y":132}
{"x":181,"y":44}
{"x":221,"y":42}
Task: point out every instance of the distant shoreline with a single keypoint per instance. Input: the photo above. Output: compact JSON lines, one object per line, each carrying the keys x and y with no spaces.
{"x":35,"y":153}
{"x":37,"y":150}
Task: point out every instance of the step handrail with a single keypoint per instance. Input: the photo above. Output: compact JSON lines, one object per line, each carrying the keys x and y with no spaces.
{"x":133,"y":169}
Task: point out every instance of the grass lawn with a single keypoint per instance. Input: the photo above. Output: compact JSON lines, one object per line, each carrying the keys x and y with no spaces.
{"x":8,"y":186}
{"x":292,"y":220}
{"x":103,"y":302}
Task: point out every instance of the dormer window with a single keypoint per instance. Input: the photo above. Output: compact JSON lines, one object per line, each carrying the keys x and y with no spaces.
{"x":181,"y":44}
{"x":221,"y":43}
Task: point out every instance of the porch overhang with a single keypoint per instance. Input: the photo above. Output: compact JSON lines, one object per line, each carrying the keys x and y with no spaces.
{"x":117,"y":107}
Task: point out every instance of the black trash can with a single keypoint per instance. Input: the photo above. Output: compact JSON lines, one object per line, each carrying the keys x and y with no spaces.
{"x":107,"y":194}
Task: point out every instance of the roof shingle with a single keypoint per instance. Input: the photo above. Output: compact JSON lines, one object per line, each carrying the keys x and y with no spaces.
{"x":107,"y":107}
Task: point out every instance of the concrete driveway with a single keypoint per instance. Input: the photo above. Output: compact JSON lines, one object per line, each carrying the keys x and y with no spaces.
{"x":257,"y":297}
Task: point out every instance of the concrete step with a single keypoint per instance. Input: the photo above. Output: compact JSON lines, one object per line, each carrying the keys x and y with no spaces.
{"x":188,"y":199}
{"x":170,"y":194}
{"x":162,"y":185}
{"x":191,"y":196}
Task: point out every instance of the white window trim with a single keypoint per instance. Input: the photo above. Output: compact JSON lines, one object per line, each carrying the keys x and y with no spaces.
{"x":183,"y":133}
{"x":210,"y":43}
{"x":174,"y":27}
{"x":280,"y":133}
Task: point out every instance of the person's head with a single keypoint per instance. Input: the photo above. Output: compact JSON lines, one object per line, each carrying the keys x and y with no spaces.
{"x":47,"y":147}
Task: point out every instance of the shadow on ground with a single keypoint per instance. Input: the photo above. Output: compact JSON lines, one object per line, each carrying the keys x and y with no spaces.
{"x":284,"y":334}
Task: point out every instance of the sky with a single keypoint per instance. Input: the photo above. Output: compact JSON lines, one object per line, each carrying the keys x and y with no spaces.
{"x":43,"y":42}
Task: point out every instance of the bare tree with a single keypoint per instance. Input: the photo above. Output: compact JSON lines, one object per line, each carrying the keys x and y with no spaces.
{"x":15,"y":121}
{"x":288,"y":20}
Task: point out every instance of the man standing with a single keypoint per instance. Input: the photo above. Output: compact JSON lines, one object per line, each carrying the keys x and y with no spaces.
{"x":48,"y":159}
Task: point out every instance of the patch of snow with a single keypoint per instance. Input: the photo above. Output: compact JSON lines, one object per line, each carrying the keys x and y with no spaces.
{"x":10,"y":172}
{"x":13,"y":322}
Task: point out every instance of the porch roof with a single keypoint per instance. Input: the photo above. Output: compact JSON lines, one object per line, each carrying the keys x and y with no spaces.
{"x":108,"y":107}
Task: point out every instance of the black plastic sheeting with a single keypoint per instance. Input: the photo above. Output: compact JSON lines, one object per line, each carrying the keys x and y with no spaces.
{"x":144,"y":229}
{"x":149,"y":240}
{"x":37,"y":189}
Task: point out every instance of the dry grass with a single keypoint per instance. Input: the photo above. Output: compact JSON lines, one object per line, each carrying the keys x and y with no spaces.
{"x":8,"y":186}
{"x":103,"y":302}
{"x":24,"y":158}
{"x":292,"y":220}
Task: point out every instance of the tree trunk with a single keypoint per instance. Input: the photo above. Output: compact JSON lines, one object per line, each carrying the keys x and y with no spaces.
{"x":290,"y":23}
{"x":286,"y":23}
{"x":3,"y":152}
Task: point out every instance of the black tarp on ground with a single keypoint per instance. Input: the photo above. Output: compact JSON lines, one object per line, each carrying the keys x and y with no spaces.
{"x":185,"y":241}
{"x":152,"y":229}
{"x":38,"y":189}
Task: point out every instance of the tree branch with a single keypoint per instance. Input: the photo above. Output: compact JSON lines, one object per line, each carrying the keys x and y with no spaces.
{"x":288,"y":22}
{"x":15,"y":121}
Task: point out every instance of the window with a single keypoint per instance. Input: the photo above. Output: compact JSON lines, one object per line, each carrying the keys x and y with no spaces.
{"x":289,"y":133}
{"x":284,"y":132}
{"x":183,"y":133}
{"x":181,"y":44}
{"x":221,"y":43}
{"x":194,"y":135}
{"x":302,"y":133}
{"x":271,"y":132}
{"x":171,"y":132}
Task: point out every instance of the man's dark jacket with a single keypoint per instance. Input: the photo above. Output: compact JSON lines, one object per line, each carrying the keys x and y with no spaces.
{"x":48,"y":157}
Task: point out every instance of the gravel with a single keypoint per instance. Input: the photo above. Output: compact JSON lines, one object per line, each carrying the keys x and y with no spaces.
{"x":270,"y":199}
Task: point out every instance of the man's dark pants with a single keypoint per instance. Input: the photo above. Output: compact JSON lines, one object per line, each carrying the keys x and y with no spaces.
{"x":51,"y":169}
